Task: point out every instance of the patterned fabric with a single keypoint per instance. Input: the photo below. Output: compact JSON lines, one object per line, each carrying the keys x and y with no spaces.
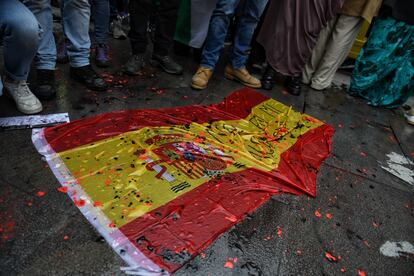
{"x":384,"y":70}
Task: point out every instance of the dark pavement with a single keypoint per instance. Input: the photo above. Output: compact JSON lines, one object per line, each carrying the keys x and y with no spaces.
{"x":361,"y":205}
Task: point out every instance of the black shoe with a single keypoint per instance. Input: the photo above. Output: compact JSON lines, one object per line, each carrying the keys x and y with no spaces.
{"x":269,"y":78}
{"x":167,"y":64}
{"x":293,"y":85}
{"x":134,"y":65}
{"x":88,"y":77}
{"x":45,"y":85}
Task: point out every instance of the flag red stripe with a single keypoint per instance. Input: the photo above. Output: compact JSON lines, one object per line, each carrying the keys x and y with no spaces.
{"x":177,"y":231}
{"x":236,"y":106}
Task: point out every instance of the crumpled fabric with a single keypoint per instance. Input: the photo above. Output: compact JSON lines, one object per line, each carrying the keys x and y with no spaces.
{"x":384,"y":70}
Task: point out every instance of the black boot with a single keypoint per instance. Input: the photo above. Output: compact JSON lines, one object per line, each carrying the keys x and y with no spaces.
{"x":269,"y":78}
{"x":293,"y":85}
{"x":167,"y":64}
{"x":87,"y":76}
{"x":45,"y":84}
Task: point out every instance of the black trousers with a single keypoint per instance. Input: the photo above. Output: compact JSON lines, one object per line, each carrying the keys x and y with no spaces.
{"x":165,"y":15}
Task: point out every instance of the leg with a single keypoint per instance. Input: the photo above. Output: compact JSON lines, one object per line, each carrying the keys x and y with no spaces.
{"x":76,"y":15}
{"x":101,"y":15}
{"x":140,"y":11}
{"x":20,"y":33}
{"x":318,"y":51}
{"x":246,"y":26}
{"x":219,"y":24}
{"x":166,"y":21}
{"x":167,"y":17}
{"x":46,"y":53}
{"x":343,"y":36}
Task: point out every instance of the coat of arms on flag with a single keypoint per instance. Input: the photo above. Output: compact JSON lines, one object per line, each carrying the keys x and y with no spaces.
{"x":161,"y":184}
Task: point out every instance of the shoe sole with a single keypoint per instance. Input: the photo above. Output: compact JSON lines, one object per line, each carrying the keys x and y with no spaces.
{"x":197,"y":87}
{"x":156,"y":63}
{"x":234,"y":78}
{"x":102,"y":65}
{"x":129,"y":73}
{"x":410,"y":119}
{"x":87,"y":86}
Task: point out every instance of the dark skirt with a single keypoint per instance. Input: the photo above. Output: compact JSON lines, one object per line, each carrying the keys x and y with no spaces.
{"x":291,"y":29}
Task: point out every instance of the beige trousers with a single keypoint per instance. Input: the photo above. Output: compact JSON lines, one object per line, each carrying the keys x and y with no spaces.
{"x":333,"y":46}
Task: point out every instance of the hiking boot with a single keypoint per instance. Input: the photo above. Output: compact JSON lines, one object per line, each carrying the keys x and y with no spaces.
{"x":201,"y":78}
{"x":241,"y":75}
{"x":87,"y":76}
{"x":62,"y":54}
{"x":26,"y":101}
{"x":167,"y":64}
{"x":269,"y":78}
{"x":293,"y":85}
{"x":45,"y":86}
{"x":134,"y":65}
{"x":101,"y":55}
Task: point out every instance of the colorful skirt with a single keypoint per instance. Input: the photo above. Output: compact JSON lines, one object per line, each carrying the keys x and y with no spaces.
{"x":384,"y":70}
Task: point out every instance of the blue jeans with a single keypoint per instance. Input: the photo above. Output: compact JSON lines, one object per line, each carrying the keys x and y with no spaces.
{"x":75,"y":17}
{"x":20,"y":34}
{"x":219,"y":23}
{"x":101,"y":13}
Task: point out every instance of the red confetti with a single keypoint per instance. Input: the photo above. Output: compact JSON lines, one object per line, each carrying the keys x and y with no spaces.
{"x":97,"y":203}
{"x":343,"y":269}
{"x":330,"y":257}
{"x":317,"y":213}
{"x":279,"y":232}
{"x":363,"y":154}
{"x":361,"y":272}
{"x":66,"y":237}
{"x":79,"y":203}
{"x":340,"y":125}
{"x":299,"y":252}
{"x":63,"y":189}
{"x":112,"y":225}
{"x":328,"y":216}
{"x":229,"y":264}
{"x":375,"y":224}
{"x":40,"y":193}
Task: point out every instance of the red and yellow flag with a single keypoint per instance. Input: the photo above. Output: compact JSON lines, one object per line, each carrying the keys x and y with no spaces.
{"x":161,"y":185}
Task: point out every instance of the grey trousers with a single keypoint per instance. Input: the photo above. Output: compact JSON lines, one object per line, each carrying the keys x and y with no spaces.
{"x":332,"y":48}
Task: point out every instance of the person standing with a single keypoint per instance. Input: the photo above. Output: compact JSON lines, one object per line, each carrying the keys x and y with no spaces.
{"x":289,"y":34}
{"x":20,"y":34}
{"x":219,"y":24}
{"x":384,"y":69}
{"x":336,"y":40}
{"x":75,"y":17}
{"x":140,"y":12}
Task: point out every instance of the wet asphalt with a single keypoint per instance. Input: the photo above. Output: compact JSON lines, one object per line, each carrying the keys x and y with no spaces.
{"x":359,"y":206}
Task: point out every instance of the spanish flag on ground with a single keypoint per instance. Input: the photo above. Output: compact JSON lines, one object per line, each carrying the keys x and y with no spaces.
{"x":160,"y":185}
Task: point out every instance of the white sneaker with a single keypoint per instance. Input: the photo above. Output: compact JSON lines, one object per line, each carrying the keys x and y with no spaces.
{"x":26,"y":102}
{"x":409,"y":116}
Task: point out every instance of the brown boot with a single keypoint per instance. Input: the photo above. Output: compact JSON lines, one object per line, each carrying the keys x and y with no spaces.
{"x":201,"y":78}
{"x":241,"y":75}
